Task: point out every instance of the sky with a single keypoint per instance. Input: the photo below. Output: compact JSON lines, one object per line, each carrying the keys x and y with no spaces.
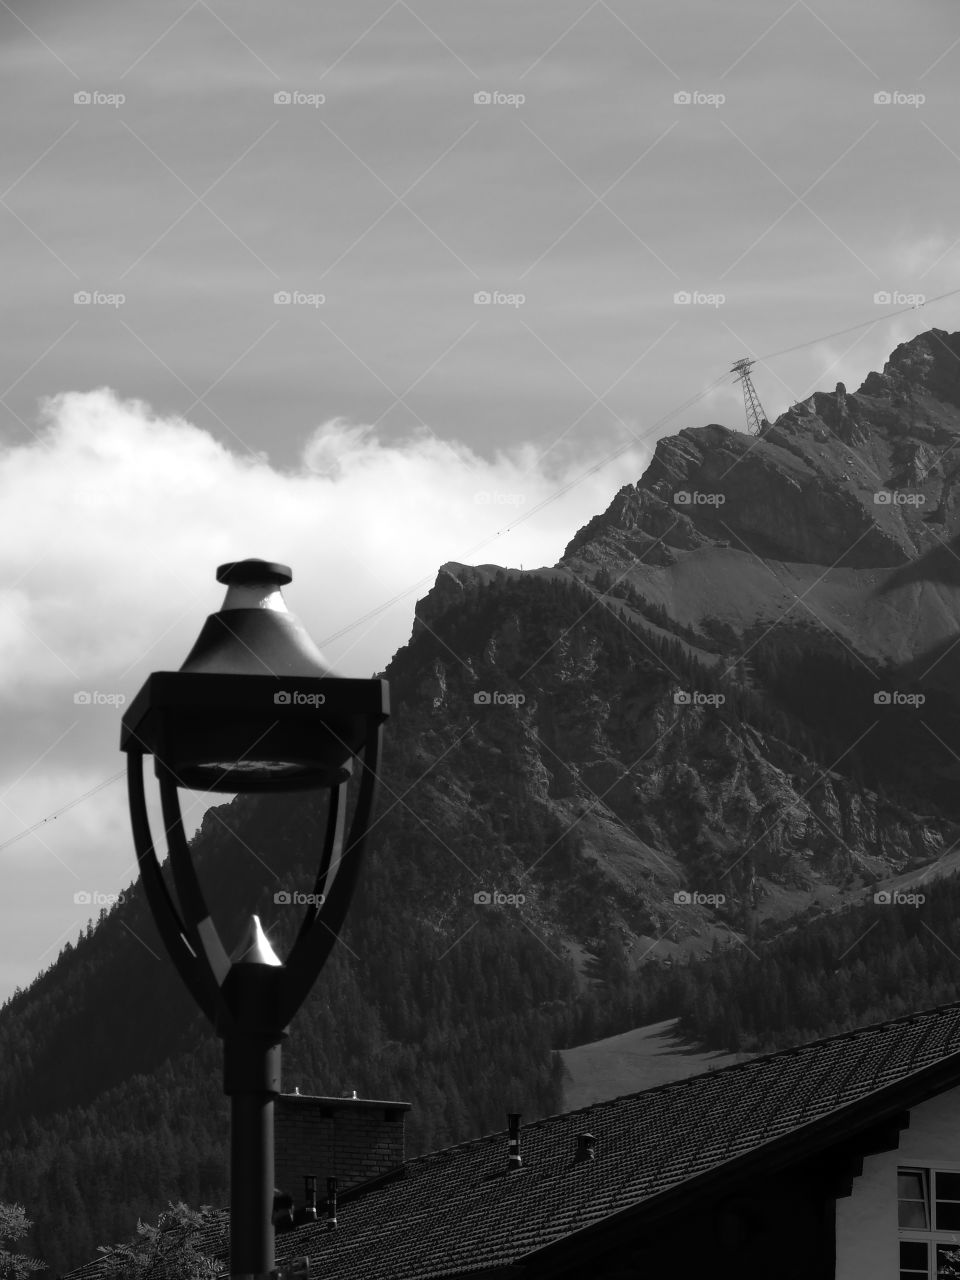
{"x":359,"y":287}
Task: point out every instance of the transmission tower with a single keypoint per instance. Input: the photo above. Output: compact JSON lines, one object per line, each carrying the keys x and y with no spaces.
{"x":751,"y":401}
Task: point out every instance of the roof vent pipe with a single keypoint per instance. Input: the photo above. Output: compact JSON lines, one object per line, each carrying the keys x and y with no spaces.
{"x":310,"y":1197}
{"x":331,"y":1202}
{"x":513,"y":1120}
{"x":586,"y":1147}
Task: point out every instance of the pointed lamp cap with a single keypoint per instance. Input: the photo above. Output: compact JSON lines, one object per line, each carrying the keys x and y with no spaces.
{"x":254,"y":633}
{"x":254,"y":947}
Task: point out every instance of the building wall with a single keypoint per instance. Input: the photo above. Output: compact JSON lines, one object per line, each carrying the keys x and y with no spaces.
{"x":350,"y":1139}
{"x":867,"y":1236}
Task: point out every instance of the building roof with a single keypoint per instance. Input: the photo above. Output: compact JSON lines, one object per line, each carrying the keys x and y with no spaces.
{"x":460,"y":1212}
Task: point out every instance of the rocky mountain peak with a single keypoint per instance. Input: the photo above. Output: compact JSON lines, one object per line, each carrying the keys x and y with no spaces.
{"x":928,"y":363}
{"x":861,"y":480}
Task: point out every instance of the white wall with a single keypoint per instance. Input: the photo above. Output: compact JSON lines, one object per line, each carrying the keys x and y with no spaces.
{"x":867,"y":1238}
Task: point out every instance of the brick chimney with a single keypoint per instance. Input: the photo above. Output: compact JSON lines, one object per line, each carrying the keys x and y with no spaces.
{"x":348,"y":1138}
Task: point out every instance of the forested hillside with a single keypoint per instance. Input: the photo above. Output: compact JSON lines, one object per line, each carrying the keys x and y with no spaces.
{"x":820,"y":977}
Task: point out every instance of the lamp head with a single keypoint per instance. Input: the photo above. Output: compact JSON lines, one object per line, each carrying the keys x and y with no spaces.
{"x":254,"y":707}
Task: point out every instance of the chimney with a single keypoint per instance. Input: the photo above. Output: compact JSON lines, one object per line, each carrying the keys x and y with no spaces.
{"x":332,"y":1201}
{"x":586,"y":1147}
{"x":348,"y":1138}
{"x":514,"y":1160}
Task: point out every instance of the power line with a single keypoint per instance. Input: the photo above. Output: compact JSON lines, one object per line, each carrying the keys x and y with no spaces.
{"x":63,"y":809}
{"x":891,"y":315}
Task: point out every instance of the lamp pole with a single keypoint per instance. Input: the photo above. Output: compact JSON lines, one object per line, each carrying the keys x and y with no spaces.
{"x":254,"y":708}
{"x":251,"y":1079}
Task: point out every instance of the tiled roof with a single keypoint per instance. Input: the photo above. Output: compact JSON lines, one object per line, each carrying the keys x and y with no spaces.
{"x":458,"y":1211}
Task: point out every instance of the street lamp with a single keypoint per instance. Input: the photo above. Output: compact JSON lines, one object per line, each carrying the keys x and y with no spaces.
{"x":254,"y":708}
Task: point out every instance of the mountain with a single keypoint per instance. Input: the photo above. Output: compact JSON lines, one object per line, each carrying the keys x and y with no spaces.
{"x":799,"y":575}
{"x":665,"y":746}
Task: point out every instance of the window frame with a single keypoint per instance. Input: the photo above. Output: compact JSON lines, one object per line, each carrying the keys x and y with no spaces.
{"x":931,"y":1236}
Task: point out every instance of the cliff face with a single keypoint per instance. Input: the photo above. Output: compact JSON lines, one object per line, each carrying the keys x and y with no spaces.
{"x":618,"y":744}
{"x":764,"y":726}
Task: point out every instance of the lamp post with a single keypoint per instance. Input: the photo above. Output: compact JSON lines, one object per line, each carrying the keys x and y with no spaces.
{"x":254,"y":708}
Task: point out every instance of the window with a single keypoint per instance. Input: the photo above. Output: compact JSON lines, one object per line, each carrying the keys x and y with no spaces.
{"x":928,"y":1213}
{"x":913,"y":1199}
